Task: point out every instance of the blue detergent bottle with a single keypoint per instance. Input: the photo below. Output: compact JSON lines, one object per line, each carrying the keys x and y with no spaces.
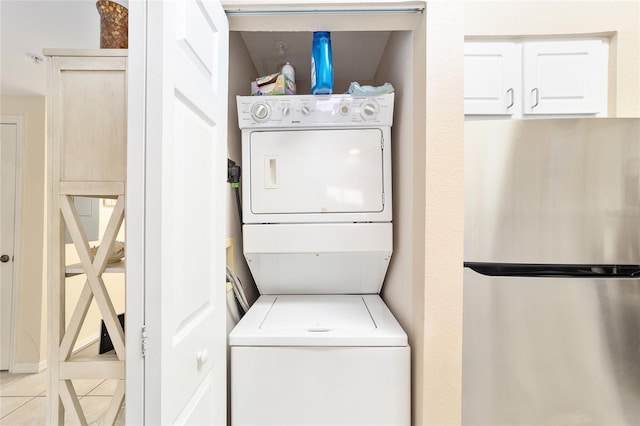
{"x":321,"y":66}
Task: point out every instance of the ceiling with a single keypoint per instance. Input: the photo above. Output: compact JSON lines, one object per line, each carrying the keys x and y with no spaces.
{"x":30,"y":26}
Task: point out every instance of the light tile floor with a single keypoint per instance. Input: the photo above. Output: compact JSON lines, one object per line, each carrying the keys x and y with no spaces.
{"x":23,"y":399}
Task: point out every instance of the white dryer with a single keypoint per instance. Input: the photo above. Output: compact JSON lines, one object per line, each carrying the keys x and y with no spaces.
{"x":319,"y":346}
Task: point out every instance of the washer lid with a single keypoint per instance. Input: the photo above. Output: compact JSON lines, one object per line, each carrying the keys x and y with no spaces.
{"x":319,"y":314}
{"x":318,"y":320}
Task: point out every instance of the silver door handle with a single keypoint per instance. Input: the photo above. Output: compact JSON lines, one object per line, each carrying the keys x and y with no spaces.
{"x":510,"y":94}
{"x":537,"y":93}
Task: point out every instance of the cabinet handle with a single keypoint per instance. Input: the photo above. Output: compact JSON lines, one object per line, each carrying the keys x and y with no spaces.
{"x":537,"y":93}
{"x":510,"y":94}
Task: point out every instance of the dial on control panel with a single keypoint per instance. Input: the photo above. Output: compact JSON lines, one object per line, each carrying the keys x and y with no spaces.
{"x":260,"y":112}
{"x":369,"y":109}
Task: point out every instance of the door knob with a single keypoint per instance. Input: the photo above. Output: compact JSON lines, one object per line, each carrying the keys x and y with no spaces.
{"x":202,"y":356}
{"x":4,"y":258}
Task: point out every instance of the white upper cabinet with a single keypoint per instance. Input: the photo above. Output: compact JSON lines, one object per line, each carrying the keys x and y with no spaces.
{"x":565,"y":77}
{"x":492,"y":77}
{"x":520,"y":78}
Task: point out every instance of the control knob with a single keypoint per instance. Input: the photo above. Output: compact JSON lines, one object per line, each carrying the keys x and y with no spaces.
{"x":304,"y":110}
{"x":369,"y":109}
{"x":285,"y":111}
{"x":260,"y":112}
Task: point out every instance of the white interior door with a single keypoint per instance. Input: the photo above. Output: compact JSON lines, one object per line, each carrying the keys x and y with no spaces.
{"x":178,"y":226}
{"x":8,"y":152}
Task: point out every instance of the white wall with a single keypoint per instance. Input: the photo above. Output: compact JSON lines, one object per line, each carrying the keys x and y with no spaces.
{"x":30,"y":329}
{"x":617,"y":19}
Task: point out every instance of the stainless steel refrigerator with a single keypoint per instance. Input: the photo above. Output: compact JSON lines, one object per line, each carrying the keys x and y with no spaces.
{"x":552,"y":272}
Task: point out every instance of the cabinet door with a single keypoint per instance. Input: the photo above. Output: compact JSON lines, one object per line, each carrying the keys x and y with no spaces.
{"x":492,"y":78}
{"x":565,"y":77}
{"x":90,"y":95}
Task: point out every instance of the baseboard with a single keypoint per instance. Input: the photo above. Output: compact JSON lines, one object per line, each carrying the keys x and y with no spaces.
{"x":32,"y":368}
{"x":86,"y":342}
{"x":29,"y":368}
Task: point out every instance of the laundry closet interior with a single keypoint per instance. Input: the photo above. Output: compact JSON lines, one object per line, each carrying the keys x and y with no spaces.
{"x":371,"y":45}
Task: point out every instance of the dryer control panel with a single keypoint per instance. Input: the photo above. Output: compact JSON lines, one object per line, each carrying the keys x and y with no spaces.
{"x":304,"y":111}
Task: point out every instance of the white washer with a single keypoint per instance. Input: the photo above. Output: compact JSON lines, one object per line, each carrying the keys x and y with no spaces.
{"x":319,"y":360}
{"x":319,"y":347}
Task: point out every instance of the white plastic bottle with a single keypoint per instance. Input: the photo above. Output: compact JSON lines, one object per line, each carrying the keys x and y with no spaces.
{"x":289,"y":72}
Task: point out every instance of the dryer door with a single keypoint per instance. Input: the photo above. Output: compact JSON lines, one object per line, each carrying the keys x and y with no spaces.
{"x":317,"y":171}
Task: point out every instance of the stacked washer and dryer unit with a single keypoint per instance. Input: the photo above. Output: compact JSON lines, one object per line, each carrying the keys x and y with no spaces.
{"x":319,"y":346}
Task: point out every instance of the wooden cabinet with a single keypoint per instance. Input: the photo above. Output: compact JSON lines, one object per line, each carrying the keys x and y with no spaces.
{"x":516,"y":78}
{"x":87,"y":128}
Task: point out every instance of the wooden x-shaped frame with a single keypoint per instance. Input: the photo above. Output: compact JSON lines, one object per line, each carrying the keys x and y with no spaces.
{"x":93,"y":287}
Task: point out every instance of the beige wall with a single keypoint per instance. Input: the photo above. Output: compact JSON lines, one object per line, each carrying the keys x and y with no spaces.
{"x":241,"y":71}
{"x":30,"y":347}
{"x":31,"y":314}
{"x":396,"y":67}
{"x":403,"y":65}
{"x":618,"y":19}
{"x":443,"y":194}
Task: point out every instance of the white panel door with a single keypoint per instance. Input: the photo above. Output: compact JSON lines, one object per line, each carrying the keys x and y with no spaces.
{"x":492,"y":78}
{"x":180,"y":210}
{"x":8,"y":152}
{"x":565,"y":77}
{"x":326,"y":171}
